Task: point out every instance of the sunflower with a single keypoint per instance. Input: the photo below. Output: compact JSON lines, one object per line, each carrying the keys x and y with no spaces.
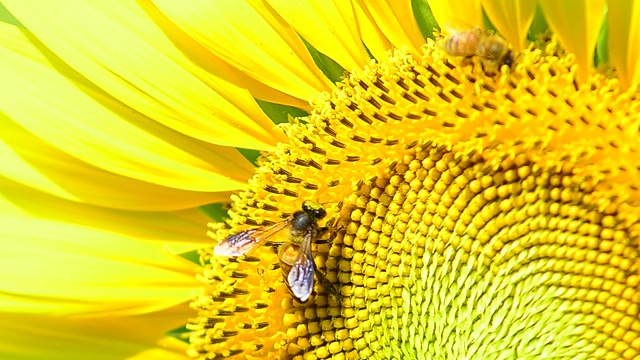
{"x":473,"y":211}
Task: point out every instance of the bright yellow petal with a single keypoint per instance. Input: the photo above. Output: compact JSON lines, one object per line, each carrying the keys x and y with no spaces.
{"x":372,"y":36}
{"x":120,"y":49}
{"x":577,"y":24}
{"x":81,"y":120}
{"x":212,"y":64}
{"x":28,"y":160}
{"x":174,"y":228}
{"x":61,"y":268}
{"x":396,"y":20}
{"x":512,"y":18}
{"x":624,"y":39}
{"x":36,"y":337}
{"x":329,"y":26}
{"x":457,"y":13}
{"x":253,"y":39}
{"x":168,"y":349}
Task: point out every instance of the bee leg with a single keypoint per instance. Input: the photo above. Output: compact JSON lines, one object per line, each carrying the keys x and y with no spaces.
{"x":327,"y":285}
{"x":321,"y":232}
{"x":467,"y":61}
{"x":489,"y":72}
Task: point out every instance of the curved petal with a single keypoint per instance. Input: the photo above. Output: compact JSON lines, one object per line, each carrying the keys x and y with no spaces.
{"x":375,"y":40}
{"x":457,"y":13}
{"x":577,"y":24}
{"x":252,"y":38}
{"x":624,"y":40}
{"x":82,"y":120}
{"x":205,"y":59}
{"x":396,"y":20}
{"x":28,"y":160}
{"x":134,"y":62}
{"x":329,"y":26}
{"x":512,"y":18}
{"x":177,"y":227}
{"x":61,"y":268}
{"x":31,"y":337}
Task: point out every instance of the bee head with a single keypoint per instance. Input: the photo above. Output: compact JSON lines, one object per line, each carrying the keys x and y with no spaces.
{"x":508,"y":59}
{"x":314,"y":209}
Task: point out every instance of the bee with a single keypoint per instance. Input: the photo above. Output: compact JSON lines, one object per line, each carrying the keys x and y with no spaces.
{"x":296,"y":262}
{"x":492,"y":49}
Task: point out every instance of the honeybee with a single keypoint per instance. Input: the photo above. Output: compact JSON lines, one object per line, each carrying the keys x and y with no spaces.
{"x":295,"y":257}
{"x":492,"y":49}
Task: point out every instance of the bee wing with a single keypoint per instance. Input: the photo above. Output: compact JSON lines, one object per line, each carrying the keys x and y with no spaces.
{"x":300,"y":278}
{"x":245,"y":241}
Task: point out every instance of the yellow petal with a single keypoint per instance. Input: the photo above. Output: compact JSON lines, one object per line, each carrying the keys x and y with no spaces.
{"x":396,"y":20}
{"x":28,"y":160}
{"x":134,"y":62}
{"x":28,"y":336}
{"x":577,"y":24}
{"x":206,"y":60}
{"x":457,"y":13}
{"x":176,"y":228}
{"x":81,"y":120}
{"x":512,"y":18}
{"x":375,"y":40}
{"x":329,"y":26}
{"x":624,"y":40}
{"x":169,"y":348}
{"x":253,"y":39}
{"x":61,"y":268}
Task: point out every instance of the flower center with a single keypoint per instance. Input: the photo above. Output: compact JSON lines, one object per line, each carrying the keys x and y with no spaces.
{"x":469,"y":217}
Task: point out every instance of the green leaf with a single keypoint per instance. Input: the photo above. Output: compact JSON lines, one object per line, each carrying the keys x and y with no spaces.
{"x":181,"y":333}
{"x":8,"y":17}
{"x":280,"y":113}
{"x":250,"y":154}
{"x":424,"y":17}
{"x":487,"y":24}
{"x":330,"y":68}
{"x":215,"y":211}
{"x":192,"y":256}
{"x":538,"y":26}
{"x":602,"y":46}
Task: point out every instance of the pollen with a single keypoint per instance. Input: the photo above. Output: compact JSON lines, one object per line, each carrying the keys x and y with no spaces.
{"x":469,"y":216}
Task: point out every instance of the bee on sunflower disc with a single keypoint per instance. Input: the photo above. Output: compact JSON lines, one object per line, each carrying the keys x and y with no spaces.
{"x":492,"y":50}
{"x":295,"y":257}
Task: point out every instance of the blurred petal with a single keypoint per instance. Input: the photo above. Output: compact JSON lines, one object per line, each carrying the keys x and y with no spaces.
{"x":116,"y":138}
{"x":30,"y":161}
{"x":31,"y":337}
{"x":55,"y":267}
{"x":512,"y":18}
{"x":168,"y":349}
{"x":466,"y":13}
{"x":396,"y":20}
{"x":624,"y":40}
{"x":253,"y":39}
{"x":125,"y":61}
{"x":329,"y":26}
{"x":577,"y":24}
{"x":372,"y":36}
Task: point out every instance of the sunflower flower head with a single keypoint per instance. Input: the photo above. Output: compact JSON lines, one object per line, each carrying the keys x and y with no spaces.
{"x":470,"y":215}
{"x":447,"y":179}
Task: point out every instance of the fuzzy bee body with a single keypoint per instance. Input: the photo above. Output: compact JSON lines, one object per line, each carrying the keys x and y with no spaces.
{"x":492,"y":50}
